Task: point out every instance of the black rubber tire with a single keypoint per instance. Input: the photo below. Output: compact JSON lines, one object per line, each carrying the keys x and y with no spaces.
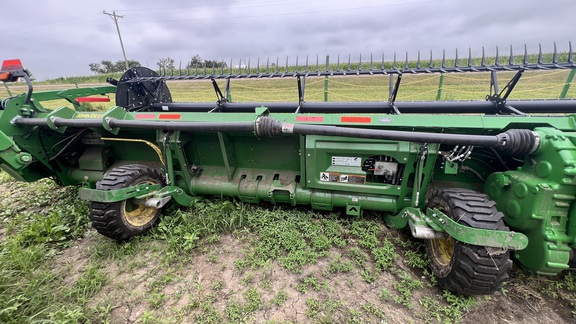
{"x":470,"y":269}
{"x":115,"y":220}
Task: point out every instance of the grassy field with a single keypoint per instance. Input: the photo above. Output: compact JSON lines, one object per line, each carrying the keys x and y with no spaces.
{"x":224,"y":261}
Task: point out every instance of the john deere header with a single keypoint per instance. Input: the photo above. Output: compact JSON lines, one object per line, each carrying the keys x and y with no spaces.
{"x":482,"y":182}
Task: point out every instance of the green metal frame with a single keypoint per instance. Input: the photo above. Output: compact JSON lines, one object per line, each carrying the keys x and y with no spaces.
{"x":537,"y":195}
{"x":116,"y":195}
{"x":439,"y":222}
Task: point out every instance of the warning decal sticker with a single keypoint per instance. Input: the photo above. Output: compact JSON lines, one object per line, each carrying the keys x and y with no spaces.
{"x":342,"y":178}
{"x":356,"y":179}
{"x":346,"y":161}
{"x":329,"y":176}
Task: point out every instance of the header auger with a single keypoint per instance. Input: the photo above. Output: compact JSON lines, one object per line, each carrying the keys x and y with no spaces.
{"x":481,"y":181}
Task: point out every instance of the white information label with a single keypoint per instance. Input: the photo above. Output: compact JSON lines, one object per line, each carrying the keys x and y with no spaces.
{"x":346,"y":161}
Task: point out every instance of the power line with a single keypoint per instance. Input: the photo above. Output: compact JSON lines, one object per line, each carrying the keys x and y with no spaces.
{"x":115,"y":17}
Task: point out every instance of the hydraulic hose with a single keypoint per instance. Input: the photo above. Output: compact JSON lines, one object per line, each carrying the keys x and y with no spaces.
{"x":511,"y":142}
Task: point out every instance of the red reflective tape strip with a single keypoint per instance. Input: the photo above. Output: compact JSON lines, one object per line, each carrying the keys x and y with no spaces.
{"x":310,"y":118}
{"x":355,"y":119}
{"x":145,"y":116}
{"x":11,"y":65}
{"x":92,"y":99}
{"x":169,"y":116}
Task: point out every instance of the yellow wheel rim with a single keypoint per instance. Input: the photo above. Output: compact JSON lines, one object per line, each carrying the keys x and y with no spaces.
{"x":442,"y":251}
{"x":138,"y":215}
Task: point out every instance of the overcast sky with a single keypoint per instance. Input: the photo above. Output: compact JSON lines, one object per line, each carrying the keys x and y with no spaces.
{"x":61,"y":37}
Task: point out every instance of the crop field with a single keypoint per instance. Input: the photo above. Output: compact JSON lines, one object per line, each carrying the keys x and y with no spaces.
{"x":223,"y":261}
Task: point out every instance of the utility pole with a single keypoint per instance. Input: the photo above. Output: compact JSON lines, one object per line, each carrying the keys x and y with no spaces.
{"x":115,"y":17}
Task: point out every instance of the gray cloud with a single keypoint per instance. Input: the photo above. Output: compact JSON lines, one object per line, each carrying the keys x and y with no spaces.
{"x":60,"y":37}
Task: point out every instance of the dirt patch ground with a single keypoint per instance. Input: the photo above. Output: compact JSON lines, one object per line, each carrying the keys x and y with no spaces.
{"x":207,"y":287}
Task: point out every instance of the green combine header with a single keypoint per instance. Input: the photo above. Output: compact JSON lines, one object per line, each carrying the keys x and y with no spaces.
{"x":483,"y":182}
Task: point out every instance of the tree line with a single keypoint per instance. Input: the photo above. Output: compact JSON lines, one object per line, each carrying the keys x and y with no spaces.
{"x":163,"y":64}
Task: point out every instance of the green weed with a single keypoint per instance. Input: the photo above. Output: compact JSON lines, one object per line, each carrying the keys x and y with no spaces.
{"x":309,"y":281}
{"x":91,"y":281}
{"x":156,"y":300}
{"x":218,"y":285}
{"x":182,"y":230}
{"x":405,"y":287}
{"x":337,"y":265}
{"x":253,"y":300}
{"x":322,"y":311}
{"x":209,"y":315}
{"x":415,"y":259}
{"x":359,"y":257}
{"x":147,"y":317}
{"x":385,"y":295}
{"x":385,"y":255}
{"x":456,"y":307}
{"x":280,"y":298}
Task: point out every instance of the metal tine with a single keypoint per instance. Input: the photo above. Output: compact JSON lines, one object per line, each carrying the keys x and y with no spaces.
{"x":258,"y":67}
{"x":338,"y":64}
{"x":277,"y":66}
{"x":222,"y":67}
{"x":555,"y":55}
{"x":327,"y":63}
{"x":431,"y":63}
{"x":348,"y":62}
{"x":570,"y":59}
{"x":248,"y":70}
{"x":394,"y":62}
{"x":383,"y":64}
{"x":525,"y":60}
{"x":188,"y":68}
{"x":196,"y":69}
{"x":469,"y":57}
{"x":511,"y":61}
{"x":456,"y":59}
{"x":205,"y":66}
{"x":539,"y":53}
{"x":359,"y":65}
{"x":268,"y":65}
{"x":307,"y":68}
{"x":286,"y":71}
{"x":371,"y":62}
{"x":443,"y":58}
{"x":497,"y":63}
{"x":213,"y":68}
{"x":406,"y":61}
{"x":483,"y":63}
{"x":317,"y":67}
{"x":418,"y":62}
{"x":296,"y":71}
{"x":230,"y":68}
